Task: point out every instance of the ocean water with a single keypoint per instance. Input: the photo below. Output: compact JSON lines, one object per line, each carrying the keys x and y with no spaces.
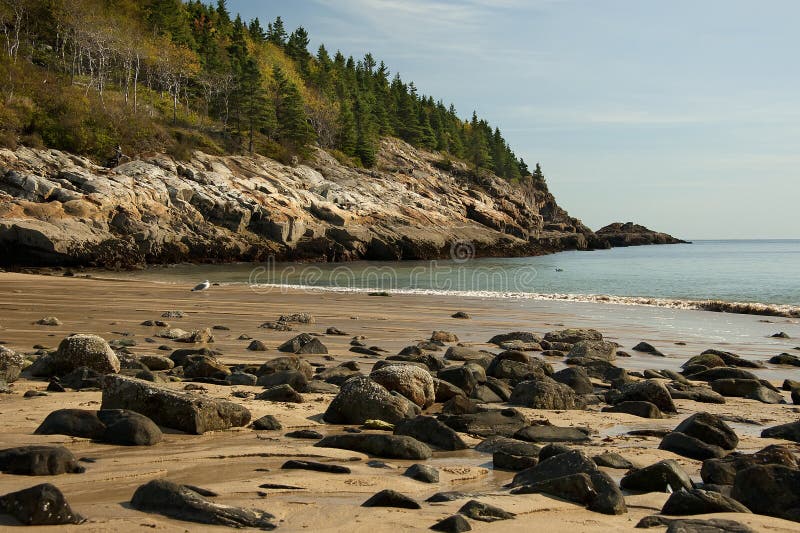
{"x":760,"y":271}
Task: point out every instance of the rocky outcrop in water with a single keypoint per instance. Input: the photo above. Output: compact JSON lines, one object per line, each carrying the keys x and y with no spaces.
{"x":61,"y":209}
{"x":620,"y":234}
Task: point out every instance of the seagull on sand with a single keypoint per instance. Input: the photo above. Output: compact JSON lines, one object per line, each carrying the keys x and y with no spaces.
{"x":203,"y":286}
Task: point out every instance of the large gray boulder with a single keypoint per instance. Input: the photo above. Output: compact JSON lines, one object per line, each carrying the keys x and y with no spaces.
{"x":411,"y":381}
{"x":603,"y":350}
{"x":170,"y":408}
{"x":80,"y":350}
{"x":361,"y":399}
{"x":772,"y":490}
{"x":11,"y":364}
{"x":710,"y":429}
{"x":573,"y":335}
{"x":545,"y":393}
{"x":649,"y":390}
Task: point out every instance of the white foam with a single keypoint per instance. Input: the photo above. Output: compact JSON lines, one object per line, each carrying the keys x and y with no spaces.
{"x":702,"y":305}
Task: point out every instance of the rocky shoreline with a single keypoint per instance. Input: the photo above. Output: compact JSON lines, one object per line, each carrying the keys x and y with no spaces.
{"x":311,"y":404}
{"x":58,"y":209}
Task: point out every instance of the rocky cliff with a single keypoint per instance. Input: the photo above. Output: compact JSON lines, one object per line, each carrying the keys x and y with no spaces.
{"x":620,"y":234}
{"x":60,"y":209}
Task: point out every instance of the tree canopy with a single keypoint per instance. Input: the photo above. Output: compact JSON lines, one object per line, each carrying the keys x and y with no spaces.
{"x":86,"y":75}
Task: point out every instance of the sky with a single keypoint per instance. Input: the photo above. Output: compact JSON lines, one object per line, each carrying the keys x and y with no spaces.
{"x":683,"y":116}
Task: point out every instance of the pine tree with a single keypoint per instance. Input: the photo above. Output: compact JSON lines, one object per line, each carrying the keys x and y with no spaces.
{"x":292,"y":122}
{"x":276,"y":33}
{"x":478,"y":148}
{"x":257,"y":33}
{"x":348,"y":135}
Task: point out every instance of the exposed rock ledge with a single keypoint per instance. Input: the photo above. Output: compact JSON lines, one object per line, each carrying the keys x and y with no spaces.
{"x":60,"y":209}
{"x":630,"y":234}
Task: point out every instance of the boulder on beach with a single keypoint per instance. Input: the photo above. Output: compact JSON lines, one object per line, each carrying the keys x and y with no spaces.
{"x":790,"y":431}
{"x":430,"y":431}
{"x":361,"y":399}
{"x":772,"y":490}
{"x":11,"y":365}
{"x":663,"y":476}
{"x":184,"y":503}
{"x":545,"y":393}
{"x":603,"y":350}
{"x":80,"y":350}
{"x":573,"y":335}
{"x":488,"y":423}
{"x":39,"y":461}
{"x":688,"y":446}
{"x":650,"y":390}
{"x":391,"y":498}
{"x":710,"y":429}
{"x":697,"y":501}
{"x":636,"y":408}
{"x":384,"y":446}
{"x":114,"y":426}
{"x":410,"y":381}
{"x":41,"y":505}
{"x":172,"y":409}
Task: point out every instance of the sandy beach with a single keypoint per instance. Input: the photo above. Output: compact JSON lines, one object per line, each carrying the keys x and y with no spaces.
{"x":233,"y":463}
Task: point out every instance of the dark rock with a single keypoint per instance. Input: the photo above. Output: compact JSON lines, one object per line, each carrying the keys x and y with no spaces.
{"x":697,"y":501}
{"x":461,"y":377}
{"x":724,"y":372}
{"x":257,"y":346}
{"x":572,"y":335}
{"x":444,"y":390}
{"x":39,"y":461}
{"x":772,"y":490}
{"x":391,"y":498}
{"x":41,"y":505}
{"x":424,"y":473}
{"x":313,"y":347}
{"x":316,"y":386}
{"x":750,"y":389}
{"x":241,"y":378}
{"x":659,"y":477}
{"x":675,"y":525}
{"x":361,"y":399}
{"x":267,"y":423}
{"x":449,"y":496}
{"x":646,"y":347}
{"x":575,"y":488}
{"x":127,"y":428}
{"x":182,"y":503}
{"x":484,"y":512}
{"x":785,"y":359}
{"x":600,"y":369}
{"x":697,"y":393}
{"x":636,"y":408}
{"x":503,"y":422}
{"x":459,"y":405}
{"x":315,"y":466}
{"x":172,"y":409}
{"x":281,"y":393}
{"x":547,"y":433}
{"x":576,"y":378}
{"x":289,"y":363}
{"x":335,"y":331}
{"x":790,"y":431}
{"x":644,"y":391}
{"x":304,"y":434}
{"x":545,"y":393}
{"x":452,"y":524}
{"x":553,"y":449}
{"x":523,"y":336}
{"x":294,"y":344}
{"x":461,"y":353}
{"x":431,"y":431}
{"x":384,"y":446}
{"x":689,"y":446}
{"x":204,"y":366}
{"x":563,"y":464}
{"x":73,"y":422}
{"x":612,"y":460}
{"x":508,"y":460}
{"x":603,"y":350}
{"x":710,"y":429}
{"x":780,"y":335}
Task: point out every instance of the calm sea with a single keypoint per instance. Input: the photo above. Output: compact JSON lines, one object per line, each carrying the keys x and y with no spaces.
{"x":764,"y":271}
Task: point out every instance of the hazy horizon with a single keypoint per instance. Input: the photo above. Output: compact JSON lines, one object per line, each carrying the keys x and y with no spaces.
{"x":676,"y":116}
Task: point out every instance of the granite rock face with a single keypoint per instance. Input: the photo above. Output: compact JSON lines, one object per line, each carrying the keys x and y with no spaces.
{"x":61,"y":209}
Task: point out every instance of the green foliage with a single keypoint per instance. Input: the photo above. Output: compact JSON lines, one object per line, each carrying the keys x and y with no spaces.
{"x":180,"y":76}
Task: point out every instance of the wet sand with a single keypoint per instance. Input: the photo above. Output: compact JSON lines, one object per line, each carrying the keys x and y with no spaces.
{"x":234,"y":463}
